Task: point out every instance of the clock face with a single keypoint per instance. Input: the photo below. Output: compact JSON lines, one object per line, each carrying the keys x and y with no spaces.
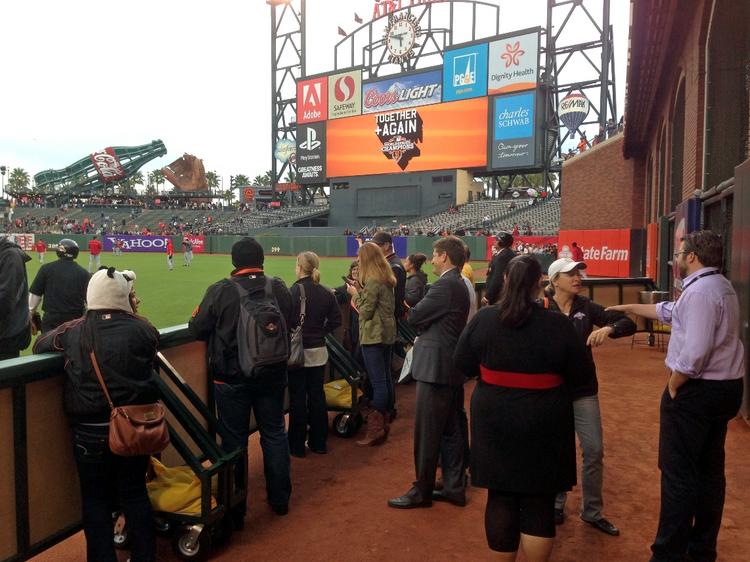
{"x":401,"y":38}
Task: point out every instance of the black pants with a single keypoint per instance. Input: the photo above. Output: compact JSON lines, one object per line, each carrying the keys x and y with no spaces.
{"x":438,"y":433}
{"x":108,"y":483}
{"x":307,"y":407}
{"x":9,"y":355}
{"x":692,"y":432}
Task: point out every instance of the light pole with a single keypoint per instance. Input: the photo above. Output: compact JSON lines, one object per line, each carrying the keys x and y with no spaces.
{"x":3,"y":169}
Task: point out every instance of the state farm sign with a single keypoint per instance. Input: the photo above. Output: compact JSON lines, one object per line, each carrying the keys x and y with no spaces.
{"x":607,"y":253}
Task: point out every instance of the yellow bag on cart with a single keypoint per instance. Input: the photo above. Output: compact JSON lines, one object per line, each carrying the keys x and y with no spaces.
{"x":339,"y":394}
{"x":175,"y":489}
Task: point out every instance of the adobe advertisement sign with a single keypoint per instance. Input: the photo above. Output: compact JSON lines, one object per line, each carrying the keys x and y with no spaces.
{"x":402,"y":92}
{"x":137,"y":243}
{"x":345,"y":94}
{"x":514,"y":63}
{"x":435,"y":137}
{"x":312,"y":100}
{"x":465,"y":73}
{"x":607,"y":253}
{"x":513,"y":131}
{"x":311,"y":153}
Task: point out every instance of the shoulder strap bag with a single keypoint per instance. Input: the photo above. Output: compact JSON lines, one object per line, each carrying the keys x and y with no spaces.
{"x":135,"y":430}
{"x":296,"y":348}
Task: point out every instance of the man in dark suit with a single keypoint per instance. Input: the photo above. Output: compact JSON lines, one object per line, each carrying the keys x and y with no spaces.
{"x":496,"y":271}
{"x":439,"y":317}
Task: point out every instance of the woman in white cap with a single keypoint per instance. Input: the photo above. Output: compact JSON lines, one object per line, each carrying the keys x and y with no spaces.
{"x":563,"y":295}
{"x":125,"y":347}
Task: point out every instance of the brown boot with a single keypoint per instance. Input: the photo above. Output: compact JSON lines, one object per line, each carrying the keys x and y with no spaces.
{"x":375,"y":432}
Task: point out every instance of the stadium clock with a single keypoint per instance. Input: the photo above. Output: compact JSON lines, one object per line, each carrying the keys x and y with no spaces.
{"x":401,"y":37}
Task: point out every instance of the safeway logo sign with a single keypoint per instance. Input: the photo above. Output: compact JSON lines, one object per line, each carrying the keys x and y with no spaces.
{"x":312,"y":100}
{"x":312,"y":141}
{"x":344,"y":88}
{"x":346,"y":94}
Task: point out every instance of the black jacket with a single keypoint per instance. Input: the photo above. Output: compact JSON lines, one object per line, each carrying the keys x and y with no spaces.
{"x":322,"y":312}
{"x":125,"y":348}
{"x":415,"y":287}
{"x":215,"y":321}
{"x":15,"y":329}
{"x":496,"y":273}
{"x":585,"y":314}
{"x":399,"y":292}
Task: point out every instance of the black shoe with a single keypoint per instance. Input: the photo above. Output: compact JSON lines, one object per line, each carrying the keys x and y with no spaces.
{"x":298,"y":454}
{"x":411,"y":499}
{"x":280,"y":509}
{"x":322,"y":451}
{"x":440,"y":496}
{"x":559,"y":516}
{"x":604,"y":526}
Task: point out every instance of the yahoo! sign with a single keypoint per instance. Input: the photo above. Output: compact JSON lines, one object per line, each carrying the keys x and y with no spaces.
{"x":133,"y":243}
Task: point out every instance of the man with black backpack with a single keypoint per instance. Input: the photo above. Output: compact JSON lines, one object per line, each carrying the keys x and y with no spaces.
{"x":246,"y":321}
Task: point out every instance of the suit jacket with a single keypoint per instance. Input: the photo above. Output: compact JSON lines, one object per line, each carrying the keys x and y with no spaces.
{"x":495,"y":275}
{"x":439,"y":317}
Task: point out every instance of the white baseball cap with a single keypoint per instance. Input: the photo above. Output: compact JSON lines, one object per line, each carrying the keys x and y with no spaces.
{"x":563,"y":265}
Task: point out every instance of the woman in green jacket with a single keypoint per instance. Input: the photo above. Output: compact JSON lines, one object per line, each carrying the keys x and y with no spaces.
{"x":377,"y":332}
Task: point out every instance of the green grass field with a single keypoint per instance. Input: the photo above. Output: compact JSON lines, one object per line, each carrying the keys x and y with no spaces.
{"x":168,"y":298}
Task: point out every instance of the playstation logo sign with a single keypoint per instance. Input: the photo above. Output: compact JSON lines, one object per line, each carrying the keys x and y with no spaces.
{"x":312,"y":141}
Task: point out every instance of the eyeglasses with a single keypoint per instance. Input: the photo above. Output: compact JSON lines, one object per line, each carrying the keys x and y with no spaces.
{"x":682,"y":252}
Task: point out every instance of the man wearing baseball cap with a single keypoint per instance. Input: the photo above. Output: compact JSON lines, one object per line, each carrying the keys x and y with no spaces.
{"x":563,"y":295}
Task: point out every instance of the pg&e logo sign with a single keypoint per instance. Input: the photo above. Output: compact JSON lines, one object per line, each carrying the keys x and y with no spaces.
{"x":465,"y":73}
{"x":312,"y":100}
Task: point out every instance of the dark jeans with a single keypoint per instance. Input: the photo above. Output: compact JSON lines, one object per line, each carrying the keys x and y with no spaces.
{"x":377,"y":358}
{"x":692,"y":432}
{"x":307,"y":406}
{"x":234,"y":403}
{"x":109,"y":483}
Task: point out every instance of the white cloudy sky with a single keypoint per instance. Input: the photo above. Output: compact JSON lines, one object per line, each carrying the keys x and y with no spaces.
{"x":78,"y":76}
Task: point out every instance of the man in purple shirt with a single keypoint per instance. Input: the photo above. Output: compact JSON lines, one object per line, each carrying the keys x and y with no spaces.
{"x":705,"y":357}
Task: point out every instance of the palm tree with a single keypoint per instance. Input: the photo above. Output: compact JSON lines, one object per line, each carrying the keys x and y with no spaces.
{"x":212,"y":178}
{"x":156,"y":178}
{"x":291,"y":175}
{"x":18,"y":180}
{"x":228,"y":196}
{"x":258,"y":180}
{"x":241,"y":179}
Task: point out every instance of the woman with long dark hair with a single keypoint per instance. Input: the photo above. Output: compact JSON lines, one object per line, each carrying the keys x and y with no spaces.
{"x":377,"y":332}
{"x":416,"y":279}
{"x":308,"y":417}
{"x":522,"y":440}
{"x":125,"y":347}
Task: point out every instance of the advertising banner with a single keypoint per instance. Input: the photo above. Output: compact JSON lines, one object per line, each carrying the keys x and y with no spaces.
{"x":514,"y":63}
{"x":312,"y":100}
{"x":539,"y":241}
{"x":437,"y":137}
{"x":652,"y":249}
{"x":399,"y":246}
{"x":311,"y":153}
{"x":26,"y":241}
{"x":345,"y":94}
{"x":402,"y":92}
{"x":607,"y":253}
{"x":465,"y":73}
{"x":137,"y":243}
{"x":108,"y":165}
{"x":513,"y":131}
{"x":198,"y":241}
{"x":687,"y":218}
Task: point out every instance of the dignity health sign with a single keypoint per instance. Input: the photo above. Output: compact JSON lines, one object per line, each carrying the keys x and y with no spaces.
{"x":513,"y":131}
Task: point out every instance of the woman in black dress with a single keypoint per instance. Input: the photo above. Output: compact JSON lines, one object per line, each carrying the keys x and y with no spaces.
{"x":522,"y":441}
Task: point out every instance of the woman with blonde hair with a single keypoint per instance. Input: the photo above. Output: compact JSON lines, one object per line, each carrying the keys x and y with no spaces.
{"x":308,"y":416}
{"x":377,"y":332}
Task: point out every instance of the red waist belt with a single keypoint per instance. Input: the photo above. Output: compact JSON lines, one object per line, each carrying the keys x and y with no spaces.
{"x":520,"y":380}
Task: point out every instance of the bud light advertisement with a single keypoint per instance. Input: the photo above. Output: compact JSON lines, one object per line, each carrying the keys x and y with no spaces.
{"x":402,"y":92}
{"x":136,"y":243}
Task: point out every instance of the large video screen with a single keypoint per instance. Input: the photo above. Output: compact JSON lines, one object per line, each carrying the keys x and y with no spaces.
{"x":476,"y":110}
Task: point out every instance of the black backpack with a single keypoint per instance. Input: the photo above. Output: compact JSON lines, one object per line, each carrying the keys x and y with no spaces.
{"x":262,"y":335}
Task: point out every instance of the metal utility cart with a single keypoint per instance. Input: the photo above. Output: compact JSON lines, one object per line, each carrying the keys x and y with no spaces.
{"x":343,"y":364}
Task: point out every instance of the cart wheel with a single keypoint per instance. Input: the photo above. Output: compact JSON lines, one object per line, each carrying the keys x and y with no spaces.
{"x":651,"y":340}
{"x":121,"y":540}
{"x":163,"y":526}
{"x":197,"y":551}
{"x":346,"y":425}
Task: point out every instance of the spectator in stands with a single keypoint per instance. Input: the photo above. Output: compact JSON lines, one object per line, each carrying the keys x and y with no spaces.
{"x":583,"y":144}
{"x":41,"y":249}
{"x":563,"y":295}
{"x":515,"y":231}
{"x":308,"y":416}
{"x":576,"y":252}
{"x":496,"y":269}
{"x":215,"y":321}
{"x":62,"y":285}
{"x":125,"y":347}
{"x":416,"y":279}
{"x":523,"y":444}
{"x":95,"y":250}
{"x":377,"y":332}
{"x":15,"y":331}
{"x":611,"y":127}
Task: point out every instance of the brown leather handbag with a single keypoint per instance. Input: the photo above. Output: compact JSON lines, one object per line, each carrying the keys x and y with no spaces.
{"x":139,"y":429}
